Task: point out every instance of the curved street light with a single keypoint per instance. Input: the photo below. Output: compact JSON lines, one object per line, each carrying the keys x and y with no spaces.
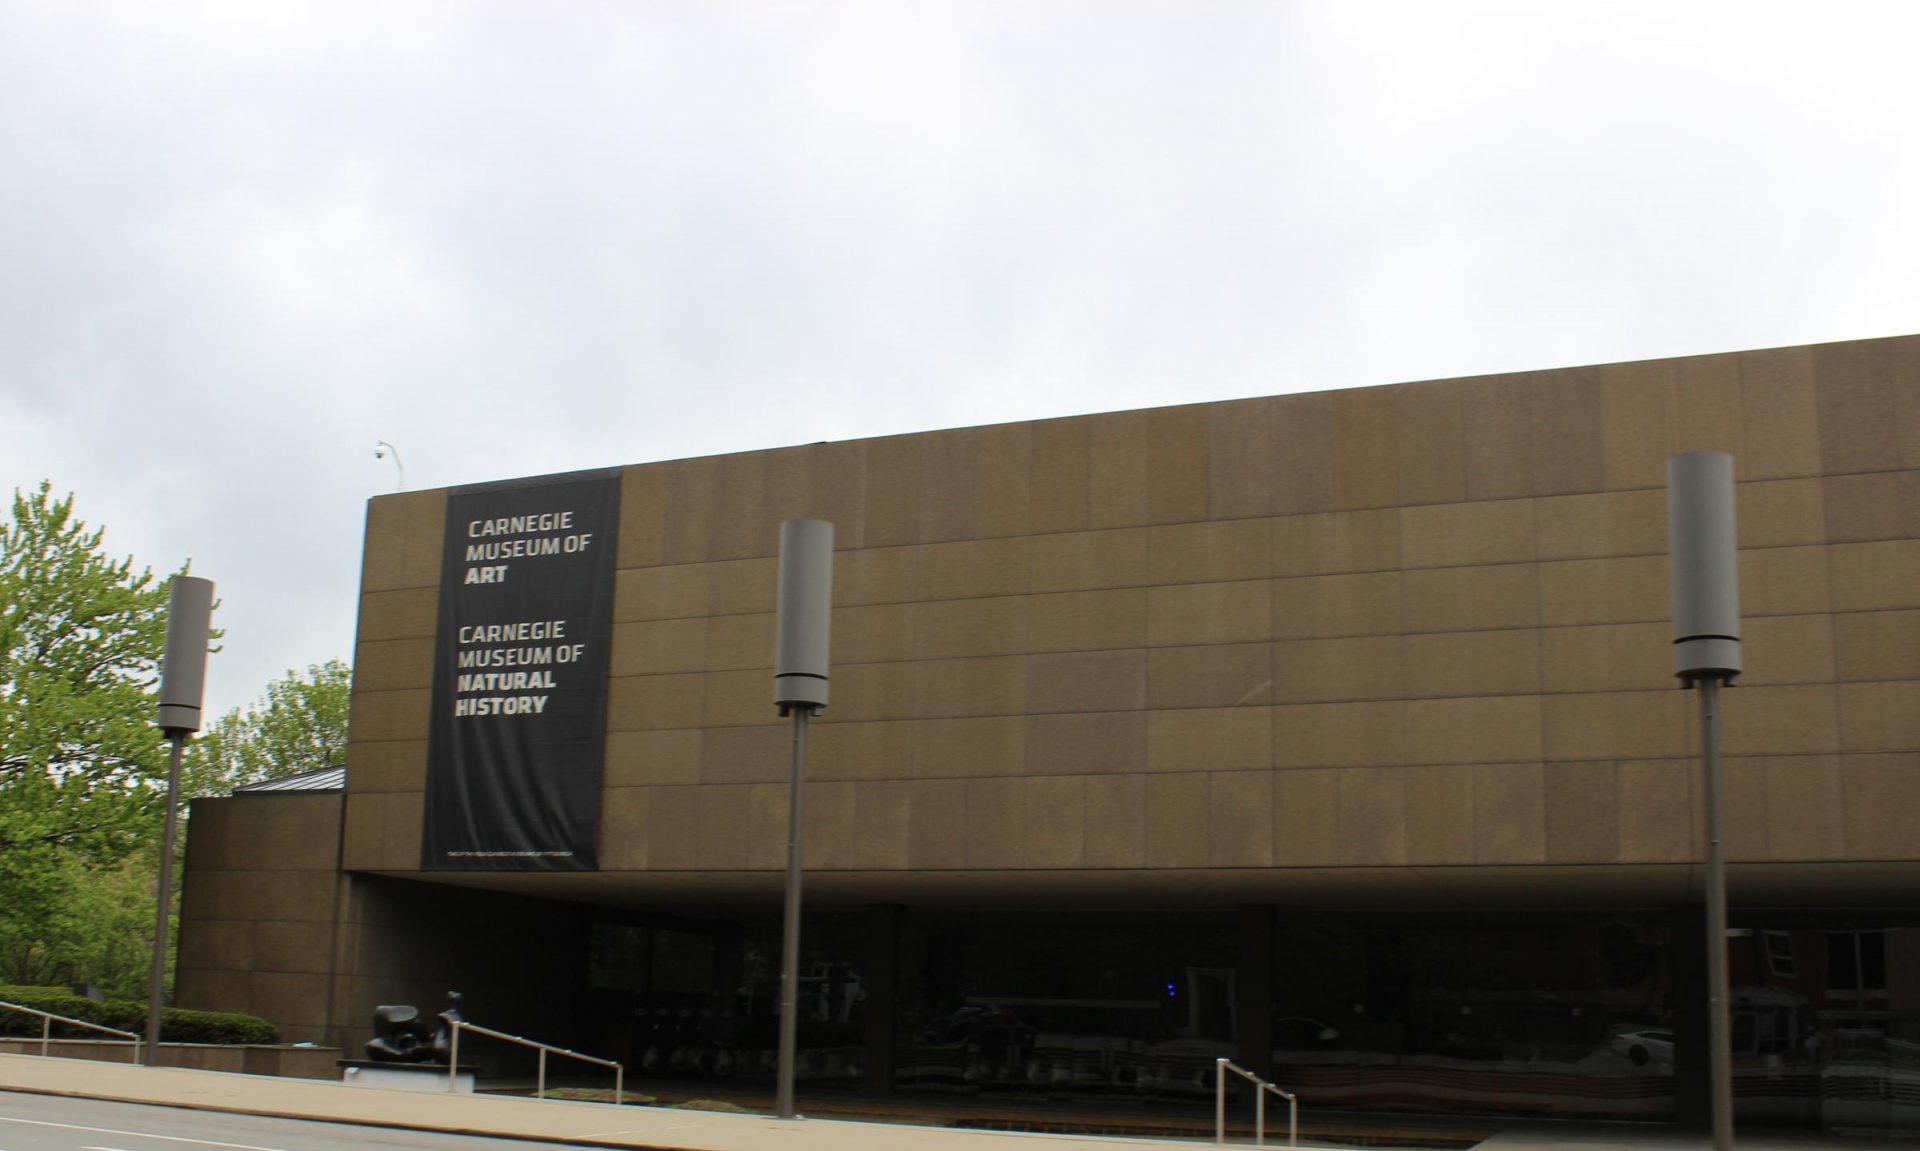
{"x":380,"y":450}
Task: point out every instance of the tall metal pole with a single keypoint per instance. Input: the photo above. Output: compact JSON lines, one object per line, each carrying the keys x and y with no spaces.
{"x":790,"y":936}
{"x":802,"y":645}
{"x":1719,"y":1022}
{"x":183,"y":678}
{"x":1705,"y":562}
{"x":163,"y":906}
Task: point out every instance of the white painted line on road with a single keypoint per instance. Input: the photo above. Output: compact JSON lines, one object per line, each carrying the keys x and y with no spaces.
{"x":138,"y":1134}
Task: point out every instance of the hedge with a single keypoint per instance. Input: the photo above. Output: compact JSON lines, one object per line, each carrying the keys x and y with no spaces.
{"x":177,"y":1024}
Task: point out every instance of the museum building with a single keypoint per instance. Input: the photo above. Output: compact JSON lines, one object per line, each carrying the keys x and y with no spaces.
{"x":1336,"y":733}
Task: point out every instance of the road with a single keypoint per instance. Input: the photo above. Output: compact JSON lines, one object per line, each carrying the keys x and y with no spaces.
{"x":51,"y":1123}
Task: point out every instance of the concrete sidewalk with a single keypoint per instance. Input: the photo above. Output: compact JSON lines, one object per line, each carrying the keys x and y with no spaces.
{"x":667,"y":1129}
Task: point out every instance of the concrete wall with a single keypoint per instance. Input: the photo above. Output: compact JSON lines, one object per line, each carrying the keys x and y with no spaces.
{"x":257,"y":918}
{"x":1418,"y":625}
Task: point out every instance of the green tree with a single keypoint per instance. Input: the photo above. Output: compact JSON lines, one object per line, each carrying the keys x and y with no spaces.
{"x":300,"y":725}
{"x":82,"y":767}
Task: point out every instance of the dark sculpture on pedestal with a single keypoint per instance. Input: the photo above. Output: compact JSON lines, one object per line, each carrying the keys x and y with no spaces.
{"x":400,"y":1035}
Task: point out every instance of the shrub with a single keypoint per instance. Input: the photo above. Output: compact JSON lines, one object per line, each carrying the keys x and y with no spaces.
{"x":177,"y":1024}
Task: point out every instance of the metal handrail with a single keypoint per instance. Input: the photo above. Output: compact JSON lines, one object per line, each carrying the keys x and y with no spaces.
{"x":47,"y":1019}
{"x":540,"y":1082}
{"x":1221,"y":1067}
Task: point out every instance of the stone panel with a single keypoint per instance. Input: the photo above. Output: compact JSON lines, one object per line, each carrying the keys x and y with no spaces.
{"x":1336,"y":542}
{"x":1117,"y":483}
{"x":971,"y":687}
{"x":1116,"y":821}
{"x":1055,"y":817}
{"x":1303,"y":453}
{"x":1499,"y":422}
{"x":969,"y":568}
{"x":1616,"y":725}
{"x":1806,"y":808}
{"x":747,"y":586}
{"x":1598,"y":525}
{"x":995,"y":828}
{"x":1881,"y":793}
{"x":882,"y":815}
{"x":1321,"y":670}
{"x":1633,"y":590}
{"x":1240,"y":819}
{"x":1061,"y":471}
{"x":1001,"y":496}
{"x":1208,"y":740}
{"x":1439,"y":815}
{"x":679,"y":592}
{"x":1373,"y":817}
{"x":951,"y":629}
{"x":643,"y":516}
{"x":1509,"y":816}
{"x":868,"y":691}
{"x":1087,"y":681}
{"x":971,"y":746}
{"x":1081,"y":561}
{"x":1881,"y":506}
{"x":1463,"y":535}
{"x":1208,"y":613}
{"x":1779,"y":513}
{"x":1636,"y":422}
{"x":690,"y":510}
{"x":746,"y":754}
{"x":1780,"y":421}
{"x":1309,"y":607}
{"x":1875,"y":576}
{"x":390,"y":715}
{"x":396,"y":664}
{"x":883,"y":750}
{"x":1106,"y":743}
{"x":1177,"y":808}
{"x":1366,"y":462}
{"x":1473,"y":598}
{"x":1306,"y":818}
{"x":1492,"y":729}
{"x":1783,"y":581}
{"x":1339,"y":734}
{"x":937,"y":824}
{"x":1777,"y":720}
{"x":1239,"y":460}
{"x":1786,"y":649}
{"x":1582,"y":812}
{"x":1657,"y":820}
{"x":1178,"y":462}
{"x":657,"y":647}
{"x":1706,"y":405}
{"x":875,"y":633}
{"x":655,"y":702}
{"x":1213,"y":551}
{"x":1607,"y":657}
{"x":875,"y":575}
{"x":1212,"y":675}
{"x":1471,"y":663}
{"x":406,"y":614}
{"x":1431,"y":443}
{"x":1862,"y":385}
{"x":1881,"y":716}
{"x":1089,"y":620}
{"x":1880,"y":644}
{"x":1568,"y":454}
{"x":892,"y":491}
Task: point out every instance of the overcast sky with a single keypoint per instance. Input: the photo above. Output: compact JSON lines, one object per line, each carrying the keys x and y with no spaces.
{"x":239,"y":243}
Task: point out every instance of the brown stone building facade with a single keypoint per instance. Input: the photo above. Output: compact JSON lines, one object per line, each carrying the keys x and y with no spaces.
{"x":1335,"y":732}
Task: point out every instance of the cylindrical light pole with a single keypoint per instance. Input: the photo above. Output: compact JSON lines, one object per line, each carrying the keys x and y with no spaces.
{"x":802,"y":641}
{"x":1706,"y":653}
{"x":183,"y":677}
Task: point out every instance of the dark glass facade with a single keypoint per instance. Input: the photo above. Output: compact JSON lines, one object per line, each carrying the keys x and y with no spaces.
{"x":1566,"y":1014}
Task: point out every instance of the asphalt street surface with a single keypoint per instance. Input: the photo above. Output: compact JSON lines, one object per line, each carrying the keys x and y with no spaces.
{"x":50,"y":1123}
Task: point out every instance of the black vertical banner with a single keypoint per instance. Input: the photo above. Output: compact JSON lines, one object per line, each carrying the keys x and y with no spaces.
{"x":520,"y":675}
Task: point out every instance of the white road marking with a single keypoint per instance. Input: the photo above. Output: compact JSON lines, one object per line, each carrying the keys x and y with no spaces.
{"x":138,"y":1134}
